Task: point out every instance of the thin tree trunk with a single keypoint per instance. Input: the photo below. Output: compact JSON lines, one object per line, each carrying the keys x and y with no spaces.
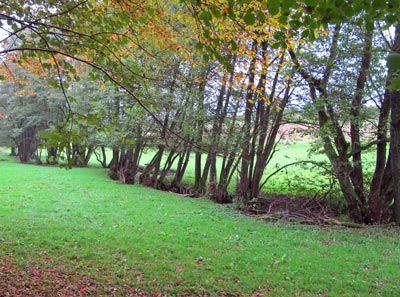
{"x":357,"y":173}
{"x":51,"y":155}
{"x":376,"y":198}
{"x":199,"y":138}
{"x":88,"y":156}
{"x":244,"y":182}
{"x":395,"y":131}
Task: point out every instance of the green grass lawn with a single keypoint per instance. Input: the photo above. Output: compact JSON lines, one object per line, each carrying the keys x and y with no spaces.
{"x":76,"y":232}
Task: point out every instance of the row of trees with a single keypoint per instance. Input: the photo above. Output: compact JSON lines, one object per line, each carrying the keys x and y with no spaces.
{"x":213,"y":80}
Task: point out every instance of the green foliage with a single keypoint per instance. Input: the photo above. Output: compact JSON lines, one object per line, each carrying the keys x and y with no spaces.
{"x":393,"y":62}
{"x":249,"y":17}
{"x":206,"y":17}
{"x":274,"y":6}
{"x":395,"y":84}
{"x":309,"y":14}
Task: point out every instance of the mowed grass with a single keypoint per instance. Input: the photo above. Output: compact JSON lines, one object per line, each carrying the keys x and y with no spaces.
{"x":130,"y":238}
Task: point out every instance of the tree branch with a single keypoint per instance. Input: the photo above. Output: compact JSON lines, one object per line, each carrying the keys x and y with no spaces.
{"x":291,"y":164}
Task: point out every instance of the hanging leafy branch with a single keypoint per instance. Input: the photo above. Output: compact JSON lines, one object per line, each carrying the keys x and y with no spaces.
{"x":103,"y":35}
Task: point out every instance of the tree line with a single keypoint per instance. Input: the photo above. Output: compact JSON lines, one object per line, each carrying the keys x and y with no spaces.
{"x":210,"y":80}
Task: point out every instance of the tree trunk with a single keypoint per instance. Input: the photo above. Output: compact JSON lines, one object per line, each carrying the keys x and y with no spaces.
{"x":168,"y":164}
{"x":197,"y":173}
{"x":14,"y":151}
{"x":27,"y":145}
{"x":157,"y":164}
{"x":218,"y":130}
{"x":357,"y":173}
{"x":51,"y":156}
{"x":395,"y":131}
{"x":270,"y":121}
{"x":88,"y":155}
{"x":376,"y":198}
{"x":183,"y":161}
{"x":114,"y":164}
{"x":102,"y":156}
{"x":244,"y":181}
{"x":200,"y":186}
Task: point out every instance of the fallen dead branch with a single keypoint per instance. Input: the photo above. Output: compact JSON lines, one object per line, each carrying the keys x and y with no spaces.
{"x":300,"y":210}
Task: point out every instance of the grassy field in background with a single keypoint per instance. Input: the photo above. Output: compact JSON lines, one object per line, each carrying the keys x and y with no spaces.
{"x":294,"y":180}
{"x":98,"y":237}
{"x":301,"y":180}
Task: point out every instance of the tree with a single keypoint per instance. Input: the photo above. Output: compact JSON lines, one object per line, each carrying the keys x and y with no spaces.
{"x":128,"y":43}
{"x":306,"y":18}
{"x":394,"y":97}
{"x":31,"y":105}
{"x":340,"y":99}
